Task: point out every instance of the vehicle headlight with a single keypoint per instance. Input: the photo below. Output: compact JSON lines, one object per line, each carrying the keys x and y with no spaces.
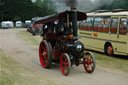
{"x":79,"y":47}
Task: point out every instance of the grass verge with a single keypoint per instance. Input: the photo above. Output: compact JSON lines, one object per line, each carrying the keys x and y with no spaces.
{"x":112,"y":62}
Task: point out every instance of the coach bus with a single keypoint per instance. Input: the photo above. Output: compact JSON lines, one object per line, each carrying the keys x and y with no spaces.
{"x":106,"y":32}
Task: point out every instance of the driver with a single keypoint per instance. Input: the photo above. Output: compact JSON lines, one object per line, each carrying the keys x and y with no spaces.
{"x":59,"y":28}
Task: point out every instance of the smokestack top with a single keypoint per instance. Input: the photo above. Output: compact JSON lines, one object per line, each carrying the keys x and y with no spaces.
{"x":71,"y":3}
{"x":74,"y":9}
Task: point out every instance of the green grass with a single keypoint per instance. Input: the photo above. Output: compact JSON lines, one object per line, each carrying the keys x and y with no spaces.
{"x":6,"y":64}
{"x":112,"y":62}
{"x":101,"y":59}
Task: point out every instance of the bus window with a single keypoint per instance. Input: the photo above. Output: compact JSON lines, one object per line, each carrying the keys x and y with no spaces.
{"x":123,"y":26}
{"x":98,"y":24}
{"x":114,"y":25}
{"x":81,"y":25}
{"x":107,"y":21}
{"x":87,"y":24}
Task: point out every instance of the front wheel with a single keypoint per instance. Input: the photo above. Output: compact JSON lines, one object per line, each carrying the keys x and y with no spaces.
{"x":89,"y":62}
{"x":65,"y":64}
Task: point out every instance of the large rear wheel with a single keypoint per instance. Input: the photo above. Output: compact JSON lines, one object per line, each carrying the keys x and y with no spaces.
{"x":65,"y":64}
{"x":89,"y":62}
{"x":44,"y":54}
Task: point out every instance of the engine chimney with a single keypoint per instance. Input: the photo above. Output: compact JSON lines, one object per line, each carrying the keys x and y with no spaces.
{"x":74,"y":20}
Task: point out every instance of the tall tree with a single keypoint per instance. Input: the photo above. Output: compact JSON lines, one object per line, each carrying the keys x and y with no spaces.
{"x":24,"y":9}
{"x":117,"y":4}
{"x":46,"y":7}
{"x":17,"y":10}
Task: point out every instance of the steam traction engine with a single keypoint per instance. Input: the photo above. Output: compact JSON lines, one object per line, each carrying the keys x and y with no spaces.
{"x":61,"y":43}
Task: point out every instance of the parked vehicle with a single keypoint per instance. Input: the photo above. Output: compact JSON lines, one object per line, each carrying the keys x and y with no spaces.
{"x":11,"y":24}
{"x":36,"y":28}
{"x":6,"y":24}
{"x":28,"y":23}
{"x":19,"y":24}
{"x":0,"y":26}
{"x":106,"y":31}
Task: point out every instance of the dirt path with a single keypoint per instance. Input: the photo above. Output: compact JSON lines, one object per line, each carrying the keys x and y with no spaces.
{"x":28,"y":55}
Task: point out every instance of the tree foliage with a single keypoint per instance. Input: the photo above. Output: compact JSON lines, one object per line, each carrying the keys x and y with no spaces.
{"x":26,"y":9}
{"x":46,"y":7}
{"x":23,"y":9}
{"x":117,"y":4}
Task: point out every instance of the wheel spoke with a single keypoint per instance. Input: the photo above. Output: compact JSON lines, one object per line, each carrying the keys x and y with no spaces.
{"x":86,"y":65}
{"x":42,"y":47}
{"x":91,"y":66}
{"x":66,"y":65}
{"x":86,"y":60}
{"x":89,"y":62}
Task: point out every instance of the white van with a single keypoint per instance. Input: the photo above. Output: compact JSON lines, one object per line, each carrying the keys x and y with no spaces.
{"x":19,"y":24}
{"x":28,"y":23}
{"x":11,"y":24}
{"x":4,"y":25}
{"x":7,"y":24}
